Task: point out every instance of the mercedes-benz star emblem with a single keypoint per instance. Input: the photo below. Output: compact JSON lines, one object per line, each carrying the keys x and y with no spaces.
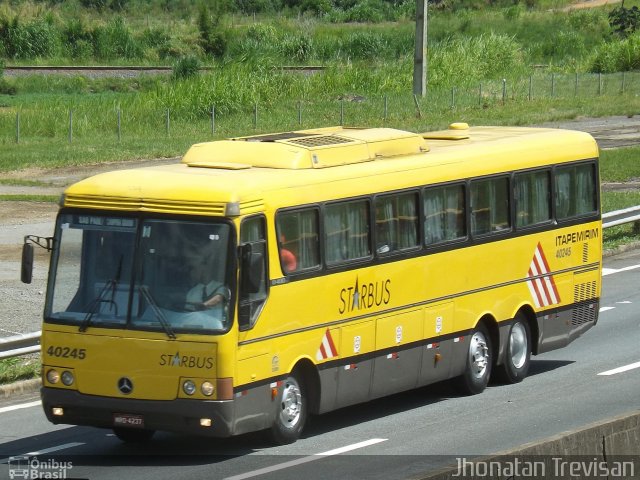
{"x":125,"y":385}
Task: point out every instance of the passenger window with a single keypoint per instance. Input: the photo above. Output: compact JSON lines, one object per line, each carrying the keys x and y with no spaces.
{"x":532,"y":195}
{"x":347,"y":232}
{"x":575,"y":190}
{"x":444,"y":214}
{"x":298,"y":240}
{"x":396,"y":222}
{"x":490,"y":205}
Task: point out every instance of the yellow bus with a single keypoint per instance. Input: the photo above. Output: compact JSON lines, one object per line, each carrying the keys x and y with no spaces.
{"x":269,"y":277}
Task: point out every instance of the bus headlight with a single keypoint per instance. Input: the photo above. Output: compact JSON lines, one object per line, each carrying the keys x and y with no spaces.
{"x":67,"y":378}
{"x":189,"y":387}
{"x":207,"y":389}
{"x":53,"y":376}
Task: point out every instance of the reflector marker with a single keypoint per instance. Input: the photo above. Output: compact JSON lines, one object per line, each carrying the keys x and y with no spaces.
{"x":543,"y":288}
{"x":327,"y":348}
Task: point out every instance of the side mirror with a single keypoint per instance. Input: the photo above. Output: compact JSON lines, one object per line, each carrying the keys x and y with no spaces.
{"x":26,"y":270}
{"x":252,"y":268}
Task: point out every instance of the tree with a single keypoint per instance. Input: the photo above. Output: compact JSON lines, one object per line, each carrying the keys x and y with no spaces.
{"x":624,"y":21}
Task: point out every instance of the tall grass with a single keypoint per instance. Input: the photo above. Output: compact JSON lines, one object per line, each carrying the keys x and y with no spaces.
{"x":163,"y":32}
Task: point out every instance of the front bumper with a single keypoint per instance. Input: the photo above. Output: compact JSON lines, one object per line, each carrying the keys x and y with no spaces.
{"x":178,"y":415}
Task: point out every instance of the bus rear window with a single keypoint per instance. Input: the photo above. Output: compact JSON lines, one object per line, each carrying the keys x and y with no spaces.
{"x":576,"y":193}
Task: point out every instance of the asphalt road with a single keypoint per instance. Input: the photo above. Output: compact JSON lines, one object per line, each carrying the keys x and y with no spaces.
{"x":399,"y":437}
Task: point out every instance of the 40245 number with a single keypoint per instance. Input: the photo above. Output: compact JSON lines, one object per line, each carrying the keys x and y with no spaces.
{"x":67,"y":352}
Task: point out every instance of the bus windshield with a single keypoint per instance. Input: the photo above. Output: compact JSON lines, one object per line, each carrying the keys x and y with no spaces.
{"x":148,"y":274}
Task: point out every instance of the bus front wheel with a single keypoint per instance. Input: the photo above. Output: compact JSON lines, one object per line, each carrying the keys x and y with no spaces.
{"x":517,"y":357}
{"x":291,"y":413}
{"x":478,"y":363}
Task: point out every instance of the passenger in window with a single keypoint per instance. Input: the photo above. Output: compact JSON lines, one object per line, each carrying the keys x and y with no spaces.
{"x":287,"y":257}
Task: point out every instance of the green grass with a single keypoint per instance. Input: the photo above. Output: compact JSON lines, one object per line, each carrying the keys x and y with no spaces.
{"x":30,"y":198}
{"x":20,"y":182}
{"x":354,"y":94}
{"x":14,"y":369}
{"x":620,"y":165}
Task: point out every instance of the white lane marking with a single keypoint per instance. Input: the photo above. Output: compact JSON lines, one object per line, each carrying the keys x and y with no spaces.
{"x":20,"y":406}
{"x":626,"y":368}
{"x":604,"y":309}
{"x":55,"y":449}
{"x":45,"y":451}
{"x":610,"y":271}
{"x":311,"y":458}
{"x":625,"y":302}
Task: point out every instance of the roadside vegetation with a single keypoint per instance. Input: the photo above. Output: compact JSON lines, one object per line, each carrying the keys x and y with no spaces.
{"x":365,"y":47}
{"x":22,"y":368}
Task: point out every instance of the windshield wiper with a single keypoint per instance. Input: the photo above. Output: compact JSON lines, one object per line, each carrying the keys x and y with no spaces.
{"x":158,"y":313}
{"x":93,"y":306}
{"x":95,"y":303}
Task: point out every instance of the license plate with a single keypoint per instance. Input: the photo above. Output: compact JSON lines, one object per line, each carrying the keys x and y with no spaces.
{"x":127,"y":420}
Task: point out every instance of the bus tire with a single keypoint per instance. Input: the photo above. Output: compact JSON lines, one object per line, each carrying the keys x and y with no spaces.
{"x":478,"y":363}
{"x":133,"y":435}
{"x":517,"y":356}
{"x":291,"y":414}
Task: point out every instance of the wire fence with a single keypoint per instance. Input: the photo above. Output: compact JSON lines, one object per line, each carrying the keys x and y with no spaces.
{"x":118,"y":121}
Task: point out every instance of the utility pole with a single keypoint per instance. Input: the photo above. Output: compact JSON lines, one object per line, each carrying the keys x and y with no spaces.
{"x":420,"y":59}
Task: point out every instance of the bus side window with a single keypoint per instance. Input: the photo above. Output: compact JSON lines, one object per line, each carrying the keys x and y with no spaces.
{"x":396,"y":222}
{"x":490,"y":205}
{"x":576,"y":192}
{"x":444,"y":214}
{"x":347,"y":232}
{"x":532,"y":194}
{"x":298,"y":240}
{"x":253,"y":236}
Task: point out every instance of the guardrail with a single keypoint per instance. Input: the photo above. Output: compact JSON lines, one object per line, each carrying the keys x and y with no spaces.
{"x":19,"y":345}
{"x":626,"y":215}
{"x":30,"y":343}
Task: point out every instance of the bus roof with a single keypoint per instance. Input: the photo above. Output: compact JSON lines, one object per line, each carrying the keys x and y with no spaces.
{"x":233,"y":177}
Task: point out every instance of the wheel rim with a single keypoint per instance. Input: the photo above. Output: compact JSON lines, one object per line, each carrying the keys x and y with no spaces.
{"x":478,"y":355}
{"x":518,"y":345}
{"x":291,"y":405}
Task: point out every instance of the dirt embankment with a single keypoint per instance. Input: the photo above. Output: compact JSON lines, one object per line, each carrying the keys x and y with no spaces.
{"x":589,"y":4}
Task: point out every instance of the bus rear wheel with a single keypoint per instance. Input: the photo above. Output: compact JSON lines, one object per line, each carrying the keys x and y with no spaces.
{"x":517,"y":357}
{"x":478,"y":363}
{"x":133,"y":435}
{"x":291,"y":414}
